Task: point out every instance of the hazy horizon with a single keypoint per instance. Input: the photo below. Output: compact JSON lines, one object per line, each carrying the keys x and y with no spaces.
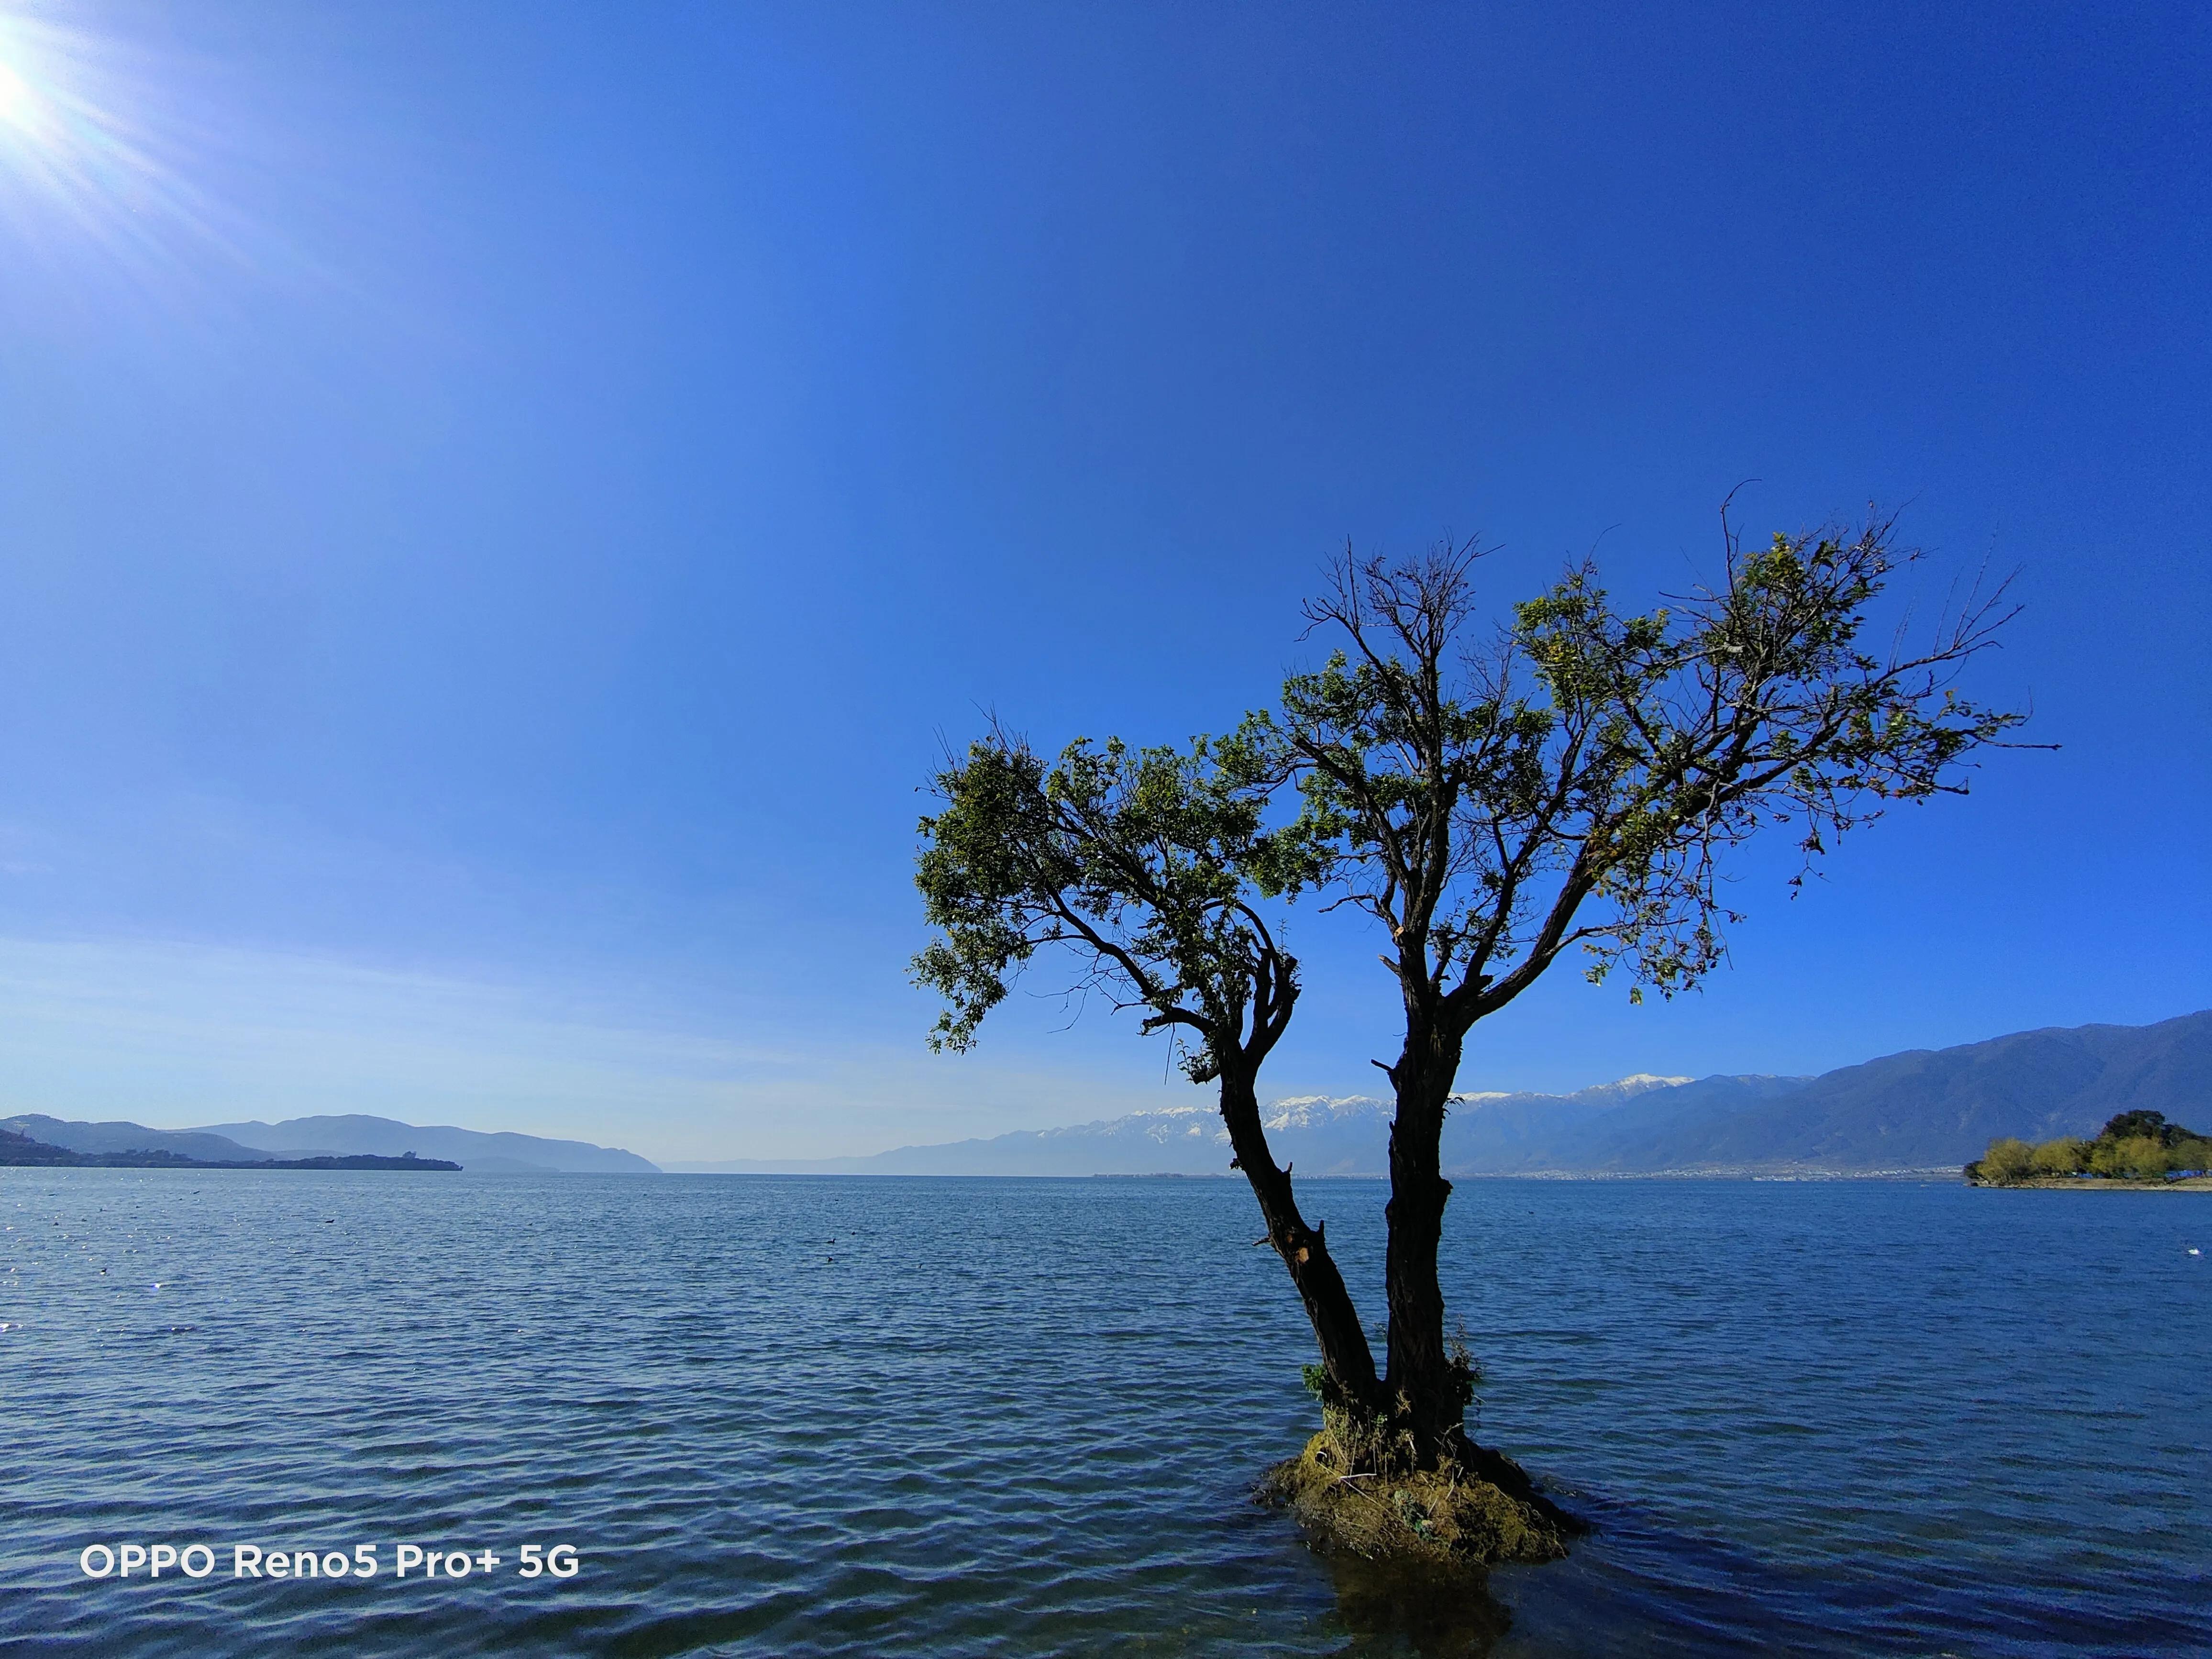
{"x":1181,"y":1103}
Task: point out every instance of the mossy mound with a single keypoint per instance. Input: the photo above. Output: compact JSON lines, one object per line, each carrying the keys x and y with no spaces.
{"x":1450,"y":1516}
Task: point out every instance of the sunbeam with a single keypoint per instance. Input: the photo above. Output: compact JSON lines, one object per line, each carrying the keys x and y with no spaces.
{"x":95,"y":161}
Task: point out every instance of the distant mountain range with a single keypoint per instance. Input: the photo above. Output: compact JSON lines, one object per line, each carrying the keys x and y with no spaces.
{"x":1922,"y":1110}
{"x":1917,"y":1110}
{"x":351,"y":1136}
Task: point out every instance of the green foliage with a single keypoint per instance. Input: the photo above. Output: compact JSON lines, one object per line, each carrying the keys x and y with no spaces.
{"x":2138,"y":1145}
{"x":2137,"y":1157}
{"x":2007,"y":1160}
{"x":1466,"y":1375}
{"x":2066,"y":1156}
{"x":2128,"y":1125}
{"x":1576,"y":783}
{"x":1137,"y":860}
{"x":2143,"y":1144}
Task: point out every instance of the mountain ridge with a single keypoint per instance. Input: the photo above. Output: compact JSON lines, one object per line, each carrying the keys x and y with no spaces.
{"x":485,"y":1151}
{"x":353,"y":1135}
{"x":20,"y":1152}
{"x":116,"y":1136}
{"x":1916,"y":1109}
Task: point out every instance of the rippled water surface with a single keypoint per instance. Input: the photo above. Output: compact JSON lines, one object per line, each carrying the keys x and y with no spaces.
{"x":791,"y":1416}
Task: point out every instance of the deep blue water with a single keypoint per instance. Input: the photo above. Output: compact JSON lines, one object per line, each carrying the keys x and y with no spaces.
{"x":793,"y":1417}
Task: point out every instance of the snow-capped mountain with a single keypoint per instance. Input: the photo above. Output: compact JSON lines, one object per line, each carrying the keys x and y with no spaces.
{"x":1919,"y":1109}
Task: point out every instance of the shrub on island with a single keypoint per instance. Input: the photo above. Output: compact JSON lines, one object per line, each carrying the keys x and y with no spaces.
{"x":2067,"y":1154}
{"x":2138,"y":1145}
{"x":2007,"y":1160}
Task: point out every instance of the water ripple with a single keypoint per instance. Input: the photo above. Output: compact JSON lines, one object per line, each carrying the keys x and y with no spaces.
{"x":793,"y":1417}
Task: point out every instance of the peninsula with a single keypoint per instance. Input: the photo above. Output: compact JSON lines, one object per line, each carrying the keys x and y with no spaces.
{"x":2133,"y":1149}
{"x":20,"y":1152}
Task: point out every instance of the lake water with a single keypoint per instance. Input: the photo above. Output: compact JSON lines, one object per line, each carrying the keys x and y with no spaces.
{"x":793,"y":1416}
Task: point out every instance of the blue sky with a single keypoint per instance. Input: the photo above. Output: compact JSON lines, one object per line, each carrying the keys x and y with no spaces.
{"x":500,"y":505}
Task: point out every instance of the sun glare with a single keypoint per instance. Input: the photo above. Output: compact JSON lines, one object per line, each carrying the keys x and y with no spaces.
{"x":92,"y":156}
{"x":18,"y":105}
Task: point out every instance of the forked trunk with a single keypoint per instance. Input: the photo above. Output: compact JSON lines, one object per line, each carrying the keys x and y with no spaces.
{"x":1346,"y":1362}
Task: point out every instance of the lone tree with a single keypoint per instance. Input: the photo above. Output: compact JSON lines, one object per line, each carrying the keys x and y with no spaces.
{"x":1570,"y":782}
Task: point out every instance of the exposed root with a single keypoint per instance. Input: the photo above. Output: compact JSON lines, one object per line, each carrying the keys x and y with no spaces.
{"x":1478,"y":1511}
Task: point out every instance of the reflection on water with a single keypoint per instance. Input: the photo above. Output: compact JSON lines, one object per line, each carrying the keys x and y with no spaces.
{"x":1432,"y":1612}
{"x":1024,"y":1417}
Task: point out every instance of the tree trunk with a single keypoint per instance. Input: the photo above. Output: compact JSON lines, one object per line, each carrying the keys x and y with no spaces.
{"x":1424,"y":1384}
{"x":1346,"y":1361}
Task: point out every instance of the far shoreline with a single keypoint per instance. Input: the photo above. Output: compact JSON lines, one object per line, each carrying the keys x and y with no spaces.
{"x":2101,"y":1183}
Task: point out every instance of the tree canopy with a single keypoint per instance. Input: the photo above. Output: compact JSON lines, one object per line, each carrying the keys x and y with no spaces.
{"x":1573,"y":780}
{"x":1140,"y":861}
